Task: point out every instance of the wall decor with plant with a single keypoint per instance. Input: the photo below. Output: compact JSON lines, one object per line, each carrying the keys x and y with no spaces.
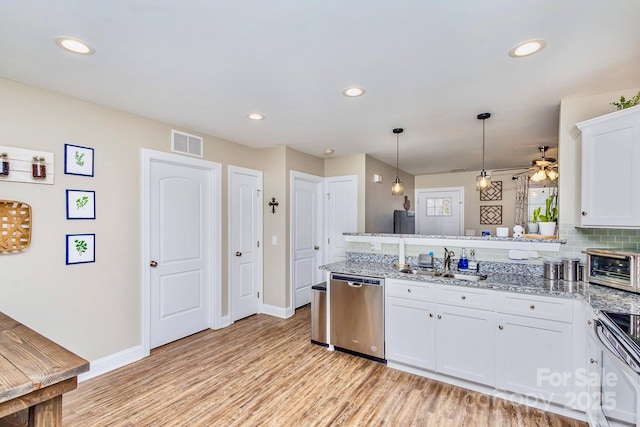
{"x":81,"y":248}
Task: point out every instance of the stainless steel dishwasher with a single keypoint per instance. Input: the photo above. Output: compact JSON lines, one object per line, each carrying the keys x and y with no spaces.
{"x":357,"y":314}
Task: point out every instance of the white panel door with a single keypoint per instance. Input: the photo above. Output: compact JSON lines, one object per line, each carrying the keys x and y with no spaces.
{"x":341,"y":198}
{"x":440,"y":211}
{"x":179,"y":228}
{"x":306,"y":215}
{"x":245,"y":224}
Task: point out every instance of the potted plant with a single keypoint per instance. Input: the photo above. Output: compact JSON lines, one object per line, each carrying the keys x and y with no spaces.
{"x":627,"y":103}
{"x":547,"y":223}
{"x":533,"y":225}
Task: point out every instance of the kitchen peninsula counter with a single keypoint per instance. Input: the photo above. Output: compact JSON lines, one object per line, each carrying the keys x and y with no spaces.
{"x":598,"y":297}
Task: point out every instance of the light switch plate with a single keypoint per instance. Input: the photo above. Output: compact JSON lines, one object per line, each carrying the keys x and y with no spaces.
{"x":274,"y":240}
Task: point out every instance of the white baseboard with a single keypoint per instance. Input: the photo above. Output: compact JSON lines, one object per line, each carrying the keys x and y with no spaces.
{"x":224,"y":322}
{"x":273,"y":310}
{"x":113,"y":361}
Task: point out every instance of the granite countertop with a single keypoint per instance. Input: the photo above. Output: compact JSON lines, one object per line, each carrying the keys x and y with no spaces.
{"x":599,"y":297}
{"x":467,"y":238}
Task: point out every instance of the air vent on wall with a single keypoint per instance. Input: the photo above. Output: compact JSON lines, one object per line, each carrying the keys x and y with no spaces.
{"x":186,"y":144}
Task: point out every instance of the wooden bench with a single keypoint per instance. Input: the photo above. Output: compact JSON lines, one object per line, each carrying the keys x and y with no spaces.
{"x":34,"y":373}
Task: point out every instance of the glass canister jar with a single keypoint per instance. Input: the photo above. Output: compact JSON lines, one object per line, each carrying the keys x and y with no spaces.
{"x":39,"y":167}
{"x":4,"y":168}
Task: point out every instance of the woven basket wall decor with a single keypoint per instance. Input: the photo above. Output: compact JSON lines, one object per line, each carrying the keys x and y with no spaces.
{"x":15,"y":225}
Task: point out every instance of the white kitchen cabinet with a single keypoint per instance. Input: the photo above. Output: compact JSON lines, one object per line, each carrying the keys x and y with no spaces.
{"x":610,"y":193}
{"x":410,"y":332}
{"x":465,"y":343}
{"x":535,"y":357}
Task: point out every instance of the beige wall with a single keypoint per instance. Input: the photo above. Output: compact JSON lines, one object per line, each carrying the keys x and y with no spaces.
{"x":92,"y":309}
{"x":379,"y":202}
{"x":351,"y":165}
{"x":572,"y":111}
{"x":275,"y":256}
{"x":472,"y":201}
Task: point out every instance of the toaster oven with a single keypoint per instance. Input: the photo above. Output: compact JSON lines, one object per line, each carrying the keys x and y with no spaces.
{"x":613,"y":268}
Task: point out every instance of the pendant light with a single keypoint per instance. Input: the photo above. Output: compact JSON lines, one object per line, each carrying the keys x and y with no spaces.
{"x":483,"y":180}
{"x":397,"y":189}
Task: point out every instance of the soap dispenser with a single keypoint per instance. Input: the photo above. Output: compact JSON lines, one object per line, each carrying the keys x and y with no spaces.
{"x":473,"y":264}
{"x":463,"y":262}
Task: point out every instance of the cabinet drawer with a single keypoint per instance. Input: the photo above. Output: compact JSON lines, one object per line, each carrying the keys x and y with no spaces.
{"x":412,"y":290}
{"x":539,"y":307}
{"x":463,"y":296}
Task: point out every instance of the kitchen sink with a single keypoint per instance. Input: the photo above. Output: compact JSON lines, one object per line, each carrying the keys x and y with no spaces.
{"x":434,"y":273}
{"x":421,"y":272}
{"x":468,"y":277}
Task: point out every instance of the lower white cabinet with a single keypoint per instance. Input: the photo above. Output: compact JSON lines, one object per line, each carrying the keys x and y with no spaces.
{"x":509,"y":342}
{"x":465,"y":343}
{"x":535,"y":358}
{"x":410,"y":328}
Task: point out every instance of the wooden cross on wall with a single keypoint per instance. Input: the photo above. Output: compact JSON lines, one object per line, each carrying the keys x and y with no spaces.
{"x":273,"y":203}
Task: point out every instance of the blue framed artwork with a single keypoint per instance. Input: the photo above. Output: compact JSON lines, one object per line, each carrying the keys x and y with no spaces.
{"x":78,"y":160}
{"x":81,"y":248}
{"x":81,"y":204}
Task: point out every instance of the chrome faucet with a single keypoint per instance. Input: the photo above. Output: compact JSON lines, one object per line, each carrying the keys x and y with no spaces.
{"x":447,"y":259}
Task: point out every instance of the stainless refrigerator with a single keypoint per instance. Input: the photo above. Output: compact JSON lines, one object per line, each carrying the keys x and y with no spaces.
{"x":404,"y":222}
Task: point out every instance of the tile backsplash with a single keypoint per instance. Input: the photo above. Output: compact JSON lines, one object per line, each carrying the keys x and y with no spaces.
{"x":577,"y":240}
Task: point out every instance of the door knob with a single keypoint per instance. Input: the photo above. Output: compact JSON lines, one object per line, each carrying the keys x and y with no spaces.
{"x":153,"y":264}
{"x":238,"y":253}
{"x":317,"y":248}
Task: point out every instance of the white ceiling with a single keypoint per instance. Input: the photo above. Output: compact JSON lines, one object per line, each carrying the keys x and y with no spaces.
{"x":429,"y":66}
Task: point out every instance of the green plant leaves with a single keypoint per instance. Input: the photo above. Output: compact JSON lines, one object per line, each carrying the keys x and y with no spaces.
{"x":81,"y":202}
{"x":626,"y":103}
{"x":81,"y":246}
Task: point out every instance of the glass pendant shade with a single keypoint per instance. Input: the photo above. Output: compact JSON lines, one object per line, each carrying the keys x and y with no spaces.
{"x":552,"y":174}
{"x":397,"y":189}
{"x":483,"y":180}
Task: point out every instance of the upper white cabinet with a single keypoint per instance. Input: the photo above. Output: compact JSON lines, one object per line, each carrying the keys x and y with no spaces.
{"x":610,"y":195}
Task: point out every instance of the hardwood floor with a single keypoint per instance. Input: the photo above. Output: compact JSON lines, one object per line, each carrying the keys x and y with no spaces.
{"x":264,"y":371}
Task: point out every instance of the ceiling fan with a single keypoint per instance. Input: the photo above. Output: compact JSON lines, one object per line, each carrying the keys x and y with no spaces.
{"x":544,"y":167}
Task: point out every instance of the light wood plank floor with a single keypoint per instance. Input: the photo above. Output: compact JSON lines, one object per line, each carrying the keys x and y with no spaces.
{"x":263,"y":371}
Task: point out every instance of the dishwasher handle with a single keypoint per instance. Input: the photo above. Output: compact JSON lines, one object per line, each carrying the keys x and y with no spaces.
{"x":354,"y":285}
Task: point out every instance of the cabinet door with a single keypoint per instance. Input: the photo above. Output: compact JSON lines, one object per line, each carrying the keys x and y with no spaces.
{"x":610,"y":176}
{"x":535,"y":358}
{"x":465,"y":343}
{"x":410,"y":332}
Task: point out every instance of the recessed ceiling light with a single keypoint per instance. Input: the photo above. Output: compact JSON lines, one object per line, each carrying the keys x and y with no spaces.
{"x":255,"y":116}
{"x":527,"y":48}
{"x":353,"y":91}
{"x":328,"y":151}
{"x":74,"y":45}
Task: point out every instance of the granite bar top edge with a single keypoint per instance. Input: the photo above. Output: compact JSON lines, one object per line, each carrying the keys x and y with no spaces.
{"x":598,"y":297}
{"x":467,"y":238}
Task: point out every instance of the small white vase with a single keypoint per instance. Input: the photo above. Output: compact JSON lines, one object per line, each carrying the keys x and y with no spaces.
{"x":547,"y":228}
{"x":532,"y":227}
